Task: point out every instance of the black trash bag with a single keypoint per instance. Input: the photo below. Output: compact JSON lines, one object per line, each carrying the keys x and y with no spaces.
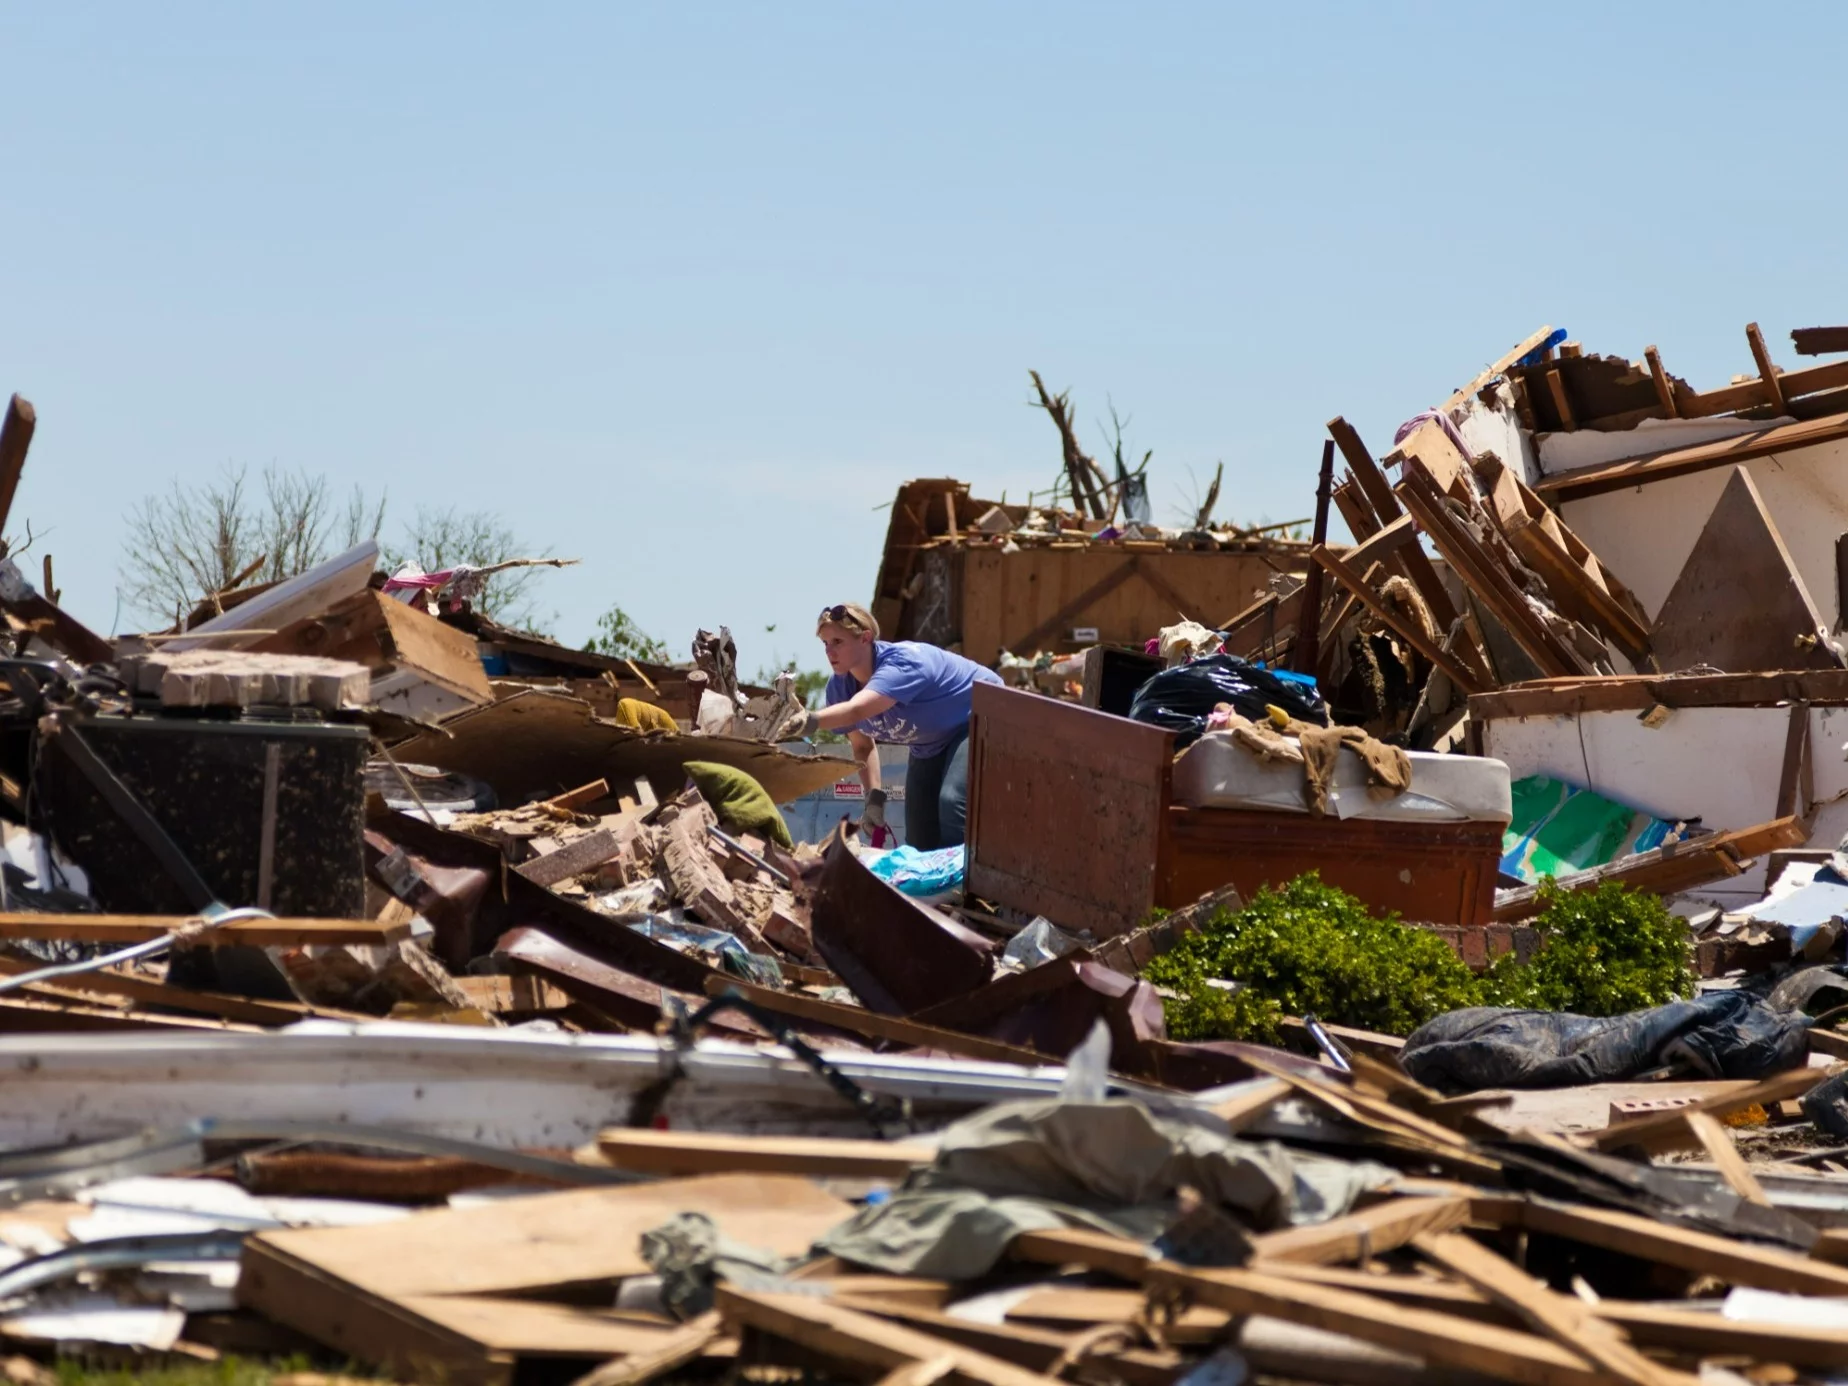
{"x":1724,"y":1034}
{"x":1181,"y":699}
{"x":1826,"y":1104}
{"x":1757,"y":1040}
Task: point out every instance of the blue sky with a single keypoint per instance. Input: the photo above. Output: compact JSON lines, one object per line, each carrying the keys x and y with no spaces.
{"x":687,"y":290}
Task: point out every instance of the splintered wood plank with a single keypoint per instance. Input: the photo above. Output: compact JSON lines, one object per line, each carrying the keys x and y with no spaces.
{"x":15,"y":438}
{"x":1737,"y":1263}
{"x":1562,"y":402}
{"x":1767,"y":372}
{"x":1440,"y":1338}
{"x":1484,"y":575}
{"x":1567,"y":1322}
{"x":1037,"y":1349}
{"x":1379,"y":494}
{"x":1357,"y":585}
{"x":674,"y":1351}
{"x":1240,"y":1111}
{"x":1819,"y":341}
{"x":1726,"y":1157}
{"x":1583,"y":587}
{"x":705,"y":1152}
{"x":1739,"y":603}
{"x":1362,"y":523}
{"x":1670,"y":1130}
{"x":1357,"y":1236}
{"x":1664,"y":387}
{"x":1077,"y":1246}
{"x":1068,"y":1310}
{"x":848,"y":1335}
{"x":1533,"y":342}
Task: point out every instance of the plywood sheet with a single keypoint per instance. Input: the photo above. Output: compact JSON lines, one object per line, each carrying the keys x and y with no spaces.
{"x":554,"y":1240}
{"x":1007,"y":596}
{"x":1740,"y":604}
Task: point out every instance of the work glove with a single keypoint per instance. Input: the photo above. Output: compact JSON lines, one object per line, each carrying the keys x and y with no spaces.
{"x":875,"y":807}
{"x":799,"y":727}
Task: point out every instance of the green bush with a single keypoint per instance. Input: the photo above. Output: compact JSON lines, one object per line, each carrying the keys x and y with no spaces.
{"x":1308,"y":948}
{"x":1312,"y":949}
{"x":1602,"y":952}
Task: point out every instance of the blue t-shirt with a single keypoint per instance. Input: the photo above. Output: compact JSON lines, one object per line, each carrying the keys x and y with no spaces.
{"x":930,"y":692}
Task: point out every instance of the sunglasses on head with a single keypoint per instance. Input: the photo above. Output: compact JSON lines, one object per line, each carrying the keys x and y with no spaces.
{"x":839,"y":615}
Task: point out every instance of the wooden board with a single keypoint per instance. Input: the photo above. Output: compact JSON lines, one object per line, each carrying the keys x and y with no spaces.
{"x":1579,"y":583}
{"x":549,"y":1241}
{"x":1371,"y":1230}
{"x":1736,"y":1262}
{"x":1007,"y":597}
{"x":388,"y":1292}
{"x":703,"y":1152}
{"x":1450,"y":1339}
{"x":1566,"y":697}
{"x":872,"y":1025}
{"x":838,"y":1332}
{"x":139,"y":928}
{"x":1639,"y":471}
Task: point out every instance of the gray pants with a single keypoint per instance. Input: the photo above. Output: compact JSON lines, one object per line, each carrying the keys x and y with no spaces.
{"x":937,"y":796}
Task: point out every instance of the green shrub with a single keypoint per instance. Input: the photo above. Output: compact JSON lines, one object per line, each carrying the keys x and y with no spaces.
{"x":1602,"y":952}
{"x":1312,"y":949}
{"x":1308,"y":948}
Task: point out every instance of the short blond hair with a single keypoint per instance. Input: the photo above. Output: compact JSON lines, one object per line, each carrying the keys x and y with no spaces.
{"x":849,"y":617}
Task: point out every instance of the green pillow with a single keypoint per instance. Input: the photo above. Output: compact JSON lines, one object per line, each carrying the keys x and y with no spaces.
{"x":741,"y":803}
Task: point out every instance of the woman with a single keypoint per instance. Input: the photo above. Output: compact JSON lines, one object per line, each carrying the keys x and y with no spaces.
{"x":910,"y":694}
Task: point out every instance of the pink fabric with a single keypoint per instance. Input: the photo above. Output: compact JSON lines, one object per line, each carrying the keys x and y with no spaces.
{"x":422,"y":582}
{"x":1412,"y":424}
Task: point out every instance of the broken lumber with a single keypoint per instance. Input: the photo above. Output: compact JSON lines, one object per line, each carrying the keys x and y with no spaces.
{"x":873,"y":1025}
{"x":845,"y":1334}
{"x":703,"y":1152}
{"x":1447,"y":1339}
{"x":139,"y":928}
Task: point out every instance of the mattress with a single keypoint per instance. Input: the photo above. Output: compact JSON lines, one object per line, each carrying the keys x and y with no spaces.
{"x":1216,"y":772}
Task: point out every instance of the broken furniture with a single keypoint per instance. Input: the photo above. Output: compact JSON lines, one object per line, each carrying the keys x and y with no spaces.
{"x":1073,"y":814}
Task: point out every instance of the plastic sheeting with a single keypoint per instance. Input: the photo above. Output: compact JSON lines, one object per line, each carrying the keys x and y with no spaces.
{"x":1558,"y":828}
{"x":1113,"y":1166}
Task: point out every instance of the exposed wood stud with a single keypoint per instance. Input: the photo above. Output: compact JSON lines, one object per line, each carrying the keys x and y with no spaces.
{"x":1664,"y":387}
{"x":1556,"y":386}
{"x":1766,"y":371}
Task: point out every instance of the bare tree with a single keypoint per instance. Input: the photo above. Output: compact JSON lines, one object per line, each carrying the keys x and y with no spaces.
{"x":188,"y":542}
{"x":443,"y":538}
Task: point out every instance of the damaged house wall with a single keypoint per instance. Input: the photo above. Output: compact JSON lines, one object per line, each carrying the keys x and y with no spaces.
{"x":1648,"y":531}
{"x":1722,"y":764}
